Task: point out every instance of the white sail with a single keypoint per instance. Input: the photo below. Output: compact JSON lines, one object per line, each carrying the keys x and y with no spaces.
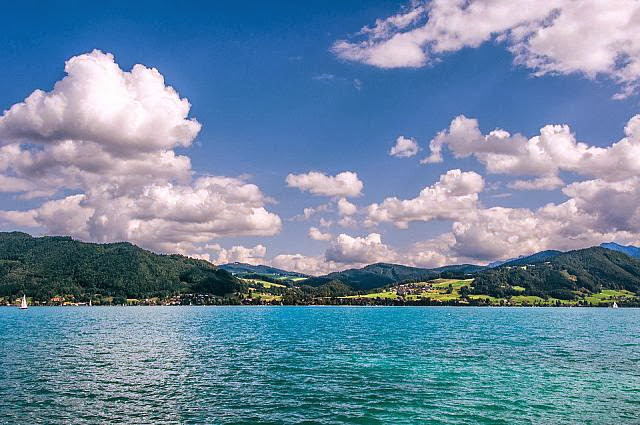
{"x":615,"y":305}
{"x":23,"y":304}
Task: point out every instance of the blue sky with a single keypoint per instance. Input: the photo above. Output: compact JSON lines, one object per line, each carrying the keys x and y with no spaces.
{"x":273,"y":98}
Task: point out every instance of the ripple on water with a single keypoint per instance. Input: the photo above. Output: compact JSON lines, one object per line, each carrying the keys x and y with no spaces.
{"x":319,"y":365}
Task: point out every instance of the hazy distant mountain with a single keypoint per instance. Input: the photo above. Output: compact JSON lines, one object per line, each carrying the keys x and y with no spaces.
{"x":630,"y":250}
{"x":459,"y":269}
{"x":243,"y":268}
{"x":538,"y":257}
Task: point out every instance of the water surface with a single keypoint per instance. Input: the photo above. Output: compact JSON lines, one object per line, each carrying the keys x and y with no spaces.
{"x":359,"y":365}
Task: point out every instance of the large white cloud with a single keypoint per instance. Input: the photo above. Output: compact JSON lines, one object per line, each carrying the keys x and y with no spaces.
{"x":347,"y":249}
{"x":241,"y":254}
{"x":554,"y":150}
{"x":590,"y":37}
{"x":346,"y":184}
{"x":455,"y":193}
{"x":98,"y":102}
{"x":107,"y":136}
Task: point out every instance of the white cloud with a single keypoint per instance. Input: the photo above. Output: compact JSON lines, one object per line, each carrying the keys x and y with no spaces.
{"x":555,"y":149}
{"x":498,"y":233}
{"x":614,"y":206}
{"x":346,"y":208}
{"x":309,"y":212}
{"x":404,"y":148}
{"x":311,"y":265}
{"x":369,"y":249}
{"x":455,"y":193}
{"x":317,"y":235}
{"x":345,"y":184}
{"x":241,"y":254}
{"x":106,"y":135}
{"x":541,"y":183}
{"x":589,"y":37}
{"x":98,"y":102}
{"x":434,"y":252}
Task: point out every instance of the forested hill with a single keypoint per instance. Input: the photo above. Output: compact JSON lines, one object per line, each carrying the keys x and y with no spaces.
{"x":243,"y":268}
{"x":47,"y":266}
{"x":382,"y":274}
{"x":564,"y":275}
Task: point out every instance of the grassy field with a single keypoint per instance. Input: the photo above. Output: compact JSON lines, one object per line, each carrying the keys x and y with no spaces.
{"x":264,"y":296}
{"x":264,"y":283}
{"x":297,"y":279}
{"x":386,"y":295}
{"x":437,"y":290}
{"x":455,"y":283}
{"x":446,"y":290}
{"x":608,"y":296}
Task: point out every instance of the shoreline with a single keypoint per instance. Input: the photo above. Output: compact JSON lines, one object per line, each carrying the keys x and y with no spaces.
{"x":329,"y":305}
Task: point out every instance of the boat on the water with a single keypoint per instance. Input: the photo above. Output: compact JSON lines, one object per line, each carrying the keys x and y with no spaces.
{"x":615,"y":305}
{"x":23,"y":303}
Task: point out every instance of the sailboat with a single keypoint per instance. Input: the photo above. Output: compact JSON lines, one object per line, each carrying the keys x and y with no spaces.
{"x":615,"y":305}
{"x":23,"y":303}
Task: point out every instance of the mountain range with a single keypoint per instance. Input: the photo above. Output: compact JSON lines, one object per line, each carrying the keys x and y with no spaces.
{"x":383,"y":274}
{"x":630,"y":250}
{"x":237,"y":268}
{"x":48,"y":266}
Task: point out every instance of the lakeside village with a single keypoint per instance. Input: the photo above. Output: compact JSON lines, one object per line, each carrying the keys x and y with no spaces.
{"x":437,"y":292}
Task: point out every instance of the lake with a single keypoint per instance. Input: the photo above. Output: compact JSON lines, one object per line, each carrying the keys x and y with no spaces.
{"x":357,"y":365}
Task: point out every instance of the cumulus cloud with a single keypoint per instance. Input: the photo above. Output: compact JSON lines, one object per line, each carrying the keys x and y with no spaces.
{"x":241,"y":254}
{"x":345,"y":184}
{"x":498,"y":232}
{"x":359,"y":250}
{"x":435,"y":252}
{"x":312,"y":265}
{"x":604,"y":206}
{"x":346,"y":251}
{"x":404,"y":148}
{"x":317,"y":235}
{"x":554,"y":150}
{"x":590,"y":37}
{"x":98,"y":102}
{"x":455,"y":193}
{"x":106,"y":136}
{"x":346,"y":208}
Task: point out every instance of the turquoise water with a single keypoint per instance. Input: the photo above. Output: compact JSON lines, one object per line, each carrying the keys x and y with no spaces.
{"x":319,"y":365}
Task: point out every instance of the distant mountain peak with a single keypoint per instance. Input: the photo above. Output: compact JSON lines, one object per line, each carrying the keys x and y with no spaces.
{"x":630,"y":250}
{"x":527,"y":259}
{"x":245,"y":268}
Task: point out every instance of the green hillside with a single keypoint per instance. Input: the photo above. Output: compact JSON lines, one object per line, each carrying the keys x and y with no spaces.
{"x":563,"y":276}
{"x":48,"y":266}
{"x":383,"y":274}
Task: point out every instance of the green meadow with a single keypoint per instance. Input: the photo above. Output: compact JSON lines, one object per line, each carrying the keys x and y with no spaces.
{"x":449,"y":290}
